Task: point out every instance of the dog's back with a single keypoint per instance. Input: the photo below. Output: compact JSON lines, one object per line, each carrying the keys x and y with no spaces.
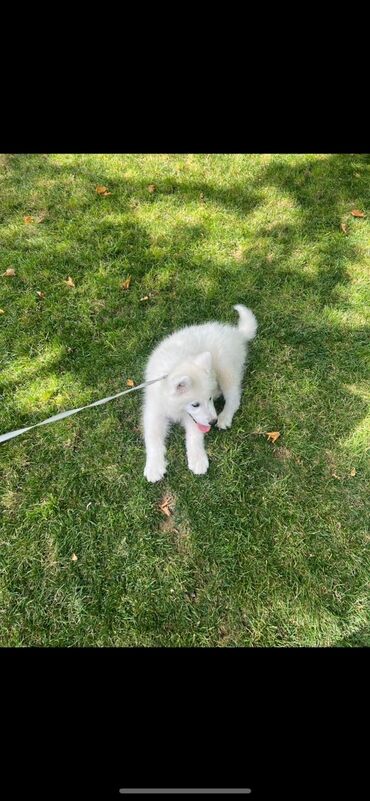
{"x":225,"y":343}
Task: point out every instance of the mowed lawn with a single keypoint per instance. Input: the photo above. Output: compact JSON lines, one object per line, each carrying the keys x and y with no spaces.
{"x":271,"y":547}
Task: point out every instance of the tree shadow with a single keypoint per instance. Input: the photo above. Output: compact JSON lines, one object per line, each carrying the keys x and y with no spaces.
{"x":300,"y":352}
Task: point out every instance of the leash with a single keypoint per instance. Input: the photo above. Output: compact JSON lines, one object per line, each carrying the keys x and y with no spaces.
{"x":62,"y":415}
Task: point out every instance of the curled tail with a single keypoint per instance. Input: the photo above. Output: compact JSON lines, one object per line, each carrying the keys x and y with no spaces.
{"x":247,"y":322}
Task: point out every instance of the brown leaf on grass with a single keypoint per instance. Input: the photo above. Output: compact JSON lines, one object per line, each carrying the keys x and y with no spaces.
{"x":69,"y":281}
{"x":344,"y":228}
{"x":272,"y":436}
{"x":27,"y":219}
{"x":74,"y":558}
{"x":151,"y":188}
{"x":165,"y":510}
{"x":166,"y":505}
{"x":40,"y":294}
{"x":357,"y":213}
{"x":126,"y":283}
{"x":102,"y":190}
{"x":9,"y":272}
{"x":130,"y":382}
{"x":353,"y":471}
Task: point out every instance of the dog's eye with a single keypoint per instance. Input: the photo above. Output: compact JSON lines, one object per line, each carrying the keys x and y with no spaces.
{"x":195,"y":405}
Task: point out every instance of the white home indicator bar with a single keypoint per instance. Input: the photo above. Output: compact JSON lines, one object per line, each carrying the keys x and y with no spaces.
{"x":186,"y":791}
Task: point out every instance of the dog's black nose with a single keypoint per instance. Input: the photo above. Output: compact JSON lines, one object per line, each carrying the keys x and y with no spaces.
{"x":213,"y":422}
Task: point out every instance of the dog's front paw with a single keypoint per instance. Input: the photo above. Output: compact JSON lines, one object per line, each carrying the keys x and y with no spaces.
{"x":198,"y":464}
{"x":154,"y":472}
{"x":224,"y":421}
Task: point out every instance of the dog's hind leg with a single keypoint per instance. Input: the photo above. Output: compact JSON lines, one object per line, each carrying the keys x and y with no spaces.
{"x":196,"y":455}
{"x":155,"y":430}
{"x":230,"y":383}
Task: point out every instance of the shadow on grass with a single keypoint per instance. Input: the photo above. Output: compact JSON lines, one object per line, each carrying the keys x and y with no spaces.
{"x":105,"y":333}
{"x":306,"y":354}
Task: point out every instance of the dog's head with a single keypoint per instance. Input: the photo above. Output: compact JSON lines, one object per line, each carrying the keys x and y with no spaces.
{"x":192,"y":386}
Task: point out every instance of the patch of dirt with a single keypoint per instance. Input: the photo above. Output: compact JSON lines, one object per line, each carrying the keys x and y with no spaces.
{"x":283,"y":453}
{"x":167,"y":526}
{"x":238,"y":254}
{"x":10,"y":501}
{"x":4,"y":160}
{"x":174,"y":525}
{"x":226,"y":636}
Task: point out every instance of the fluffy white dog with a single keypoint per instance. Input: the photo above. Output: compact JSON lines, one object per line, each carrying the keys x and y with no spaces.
{"x":200,"y":362}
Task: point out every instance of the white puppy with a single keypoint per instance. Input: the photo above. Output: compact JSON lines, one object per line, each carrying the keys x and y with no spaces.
{"x":201,"y":362}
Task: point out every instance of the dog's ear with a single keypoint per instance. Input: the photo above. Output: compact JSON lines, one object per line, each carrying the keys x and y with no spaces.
{"x":182,"y":384}
{"x":204,"y":360}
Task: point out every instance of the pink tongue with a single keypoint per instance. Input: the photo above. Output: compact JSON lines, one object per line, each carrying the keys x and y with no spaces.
{"x":203,"y":429}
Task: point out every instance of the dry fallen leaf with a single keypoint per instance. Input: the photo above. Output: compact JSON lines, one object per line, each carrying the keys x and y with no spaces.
{"x":353,"y":471}
{"x":102,"y":190}
{"x":126,"y":283}
{"x":69,"y":281}
{"x":272,"y":436}
{"x":28,"y":219}
{"x":343,"y":228}
{"x":9,"y":272}
{"x":152,"y":188}
{"x":357,"y":213}
{"x":130,"y":382}
{"x":74,"y":558}
{"x":166,"y":505}
{"x":40,"y":294}
{"x":2,"y":311}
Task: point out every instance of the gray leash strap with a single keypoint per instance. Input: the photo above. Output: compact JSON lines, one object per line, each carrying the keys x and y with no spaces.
{"x":62,"y":415}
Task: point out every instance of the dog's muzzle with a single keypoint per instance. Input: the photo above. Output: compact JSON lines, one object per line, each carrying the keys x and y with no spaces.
{"x":202,"y":427}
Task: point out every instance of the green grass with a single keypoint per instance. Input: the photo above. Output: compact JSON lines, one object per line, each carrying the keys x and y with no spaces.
{"x":271,"y":547}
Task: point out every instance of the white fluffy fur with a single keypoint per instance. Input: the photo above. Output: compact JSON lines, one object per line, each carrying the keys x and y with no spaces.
{"x":201,"y":363}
